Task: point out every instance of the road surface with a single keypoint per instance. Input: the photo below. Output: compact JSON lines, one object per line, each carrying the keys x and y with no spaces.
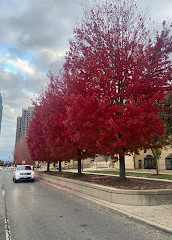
{"x":36,"y":211}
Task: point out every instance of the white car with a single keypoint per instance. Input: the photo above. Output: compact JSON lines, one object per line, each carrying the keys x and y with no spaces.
{"x":23,"y":172}
{"x":10,"y":167}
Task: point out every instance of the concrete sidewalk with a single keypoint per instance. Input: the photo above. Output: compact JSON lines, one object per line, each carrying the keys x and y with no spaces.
{"x":159,"y":216}
{"x":169,"y":172}
{"x":144,"y":178}
{"x":90,"y":169}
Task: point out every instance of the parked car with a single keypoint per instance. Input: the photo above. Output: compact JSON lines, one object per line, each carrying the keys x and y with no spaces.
{"x":10,"y":167}
{"x":23,"y":172}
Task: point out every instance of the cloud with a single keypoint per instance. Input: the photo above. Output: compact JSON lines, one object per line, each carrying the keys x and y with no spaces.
{"x":34,"y":34}
{"x":39,"y":28}
{"x":42,"y":24}
{"x":159,"y":10}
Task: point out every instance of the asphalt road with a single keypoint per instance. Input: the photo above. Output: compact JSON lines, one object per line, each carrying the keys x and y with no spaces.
{"x":36,"y":211}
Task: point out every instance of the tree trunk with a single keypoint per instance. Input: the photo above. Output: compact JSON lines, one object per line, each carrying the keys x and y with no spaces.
{"x":122,"y":166}
{"x":156,"y":153}
{"x":60,"y":166}
{"x":79,"y":166}
{"x":134,"y":159}
{"x":48,"y":166}
{"x":79,"y":161}
{"x":157,"y":165}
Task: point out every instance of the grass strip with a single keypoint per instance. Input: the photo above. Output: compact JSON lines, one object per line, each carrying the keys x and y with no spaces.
{"x":133,"y":174}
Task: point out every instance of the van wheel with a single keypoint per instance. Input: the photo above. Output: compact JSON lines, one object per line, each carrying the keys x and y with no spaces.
{"x":15,"y":180}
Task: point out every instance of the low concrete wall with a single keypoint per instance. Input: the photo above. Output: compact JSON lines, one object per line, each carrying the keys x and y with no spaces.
{"x":113,"y":195}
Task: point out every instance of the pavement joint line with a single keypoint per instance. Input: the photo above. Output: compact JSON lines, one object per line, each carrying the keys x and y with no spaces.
{"x":108,"y":205}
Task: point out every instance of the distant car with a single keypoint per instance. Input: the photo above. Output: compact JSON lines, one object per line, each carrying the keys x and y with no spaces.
{"x":10,"y":167}
{"x":0,"y":168}
{"x":23,"y":172}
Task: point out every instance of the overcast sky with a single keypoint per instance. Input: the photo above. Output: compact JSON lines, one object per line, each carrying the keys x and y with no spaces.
{"x":34,"y":35}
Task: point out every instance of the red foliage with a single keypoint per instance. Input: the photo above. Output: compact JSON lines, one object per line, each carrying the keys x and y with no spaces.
{"x":47,"y":139}
{"x":114,"y":74}
{"x":104,"y":101}
{"x":22,"y":155}
{"x":36,"y":141}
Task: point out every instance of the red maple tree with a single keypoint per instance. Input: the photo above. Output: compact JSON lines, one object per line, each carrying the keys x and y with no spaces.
{"x":46,"y":135}
{"x":115,"y":66}
{"x":22,"y":154}
{"x":104,"y":101}
{"x":36,"y":140}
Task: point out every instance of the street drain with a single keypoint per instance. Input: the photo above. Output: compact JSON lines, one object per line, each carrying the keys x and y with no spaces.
{"x":83,"y":225}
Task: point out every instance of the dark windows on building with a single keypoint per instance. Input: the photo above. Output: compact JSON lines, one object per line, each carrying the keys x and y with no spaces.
{"x":168,"y":162}
{"x":140,"y":164}
{"x":149,"y":162}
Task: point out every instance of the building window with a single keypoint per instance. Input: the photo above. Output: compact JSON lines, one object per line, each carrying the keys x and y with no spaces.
{"x":168,"y":162}
{"x":149,"y":162}
{"x":140,"y":164}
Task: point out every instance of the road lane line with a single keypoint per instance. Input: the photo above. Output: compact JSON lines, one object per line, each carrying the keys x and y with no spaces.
{"x":7,"y":227}
{"x":7,"y":230}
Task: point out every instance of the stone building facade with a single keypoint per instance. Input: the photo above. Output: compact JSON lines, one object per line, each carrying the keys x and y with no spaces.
{"x":145,"y":160}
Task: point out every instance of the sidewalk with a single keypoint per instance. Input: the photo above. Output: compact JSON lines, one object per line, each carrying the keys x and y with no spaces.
{"x":91,"y":169}
{"x":156,"y":216}
{"x":144,"y":178}
{"x":159,"y":216}
{"x":153,"y":171}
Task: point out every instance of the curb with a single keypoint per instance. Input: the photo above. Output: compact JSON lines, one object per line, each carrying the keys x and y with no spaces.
{"x":108,"y":206}
{"x":113,"y":195}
